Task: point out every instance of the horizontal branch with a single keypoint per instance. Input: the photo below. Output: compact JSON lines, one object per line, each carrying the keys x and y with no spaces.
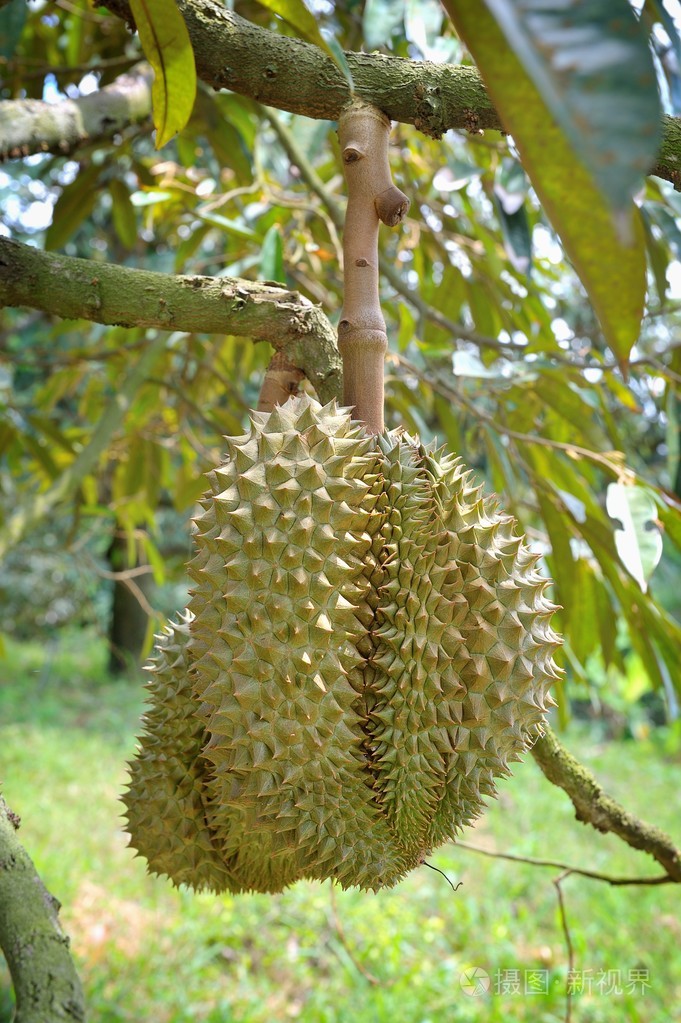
{"x":46,"y":985}
{"x":73,"y":288}
{"x":32,"y":126}
{"x":595,"y":807}
{"x":289,"y":74}
{"x":285,"y":73}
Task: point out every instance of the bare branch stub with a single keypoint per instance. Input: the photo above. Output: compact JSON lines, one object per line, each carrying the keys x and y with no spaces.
{"x":281,"y":382}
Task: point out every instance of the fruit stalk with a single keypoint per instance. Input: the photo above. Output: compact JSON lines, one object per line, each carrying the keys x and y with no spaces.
{"x":364,"y":132}
{"x":280,"y":383}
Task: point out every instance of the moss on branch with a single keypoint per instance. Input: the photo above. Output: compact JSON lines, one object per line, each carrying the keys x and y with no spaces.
{"x":106,"y":293}
{"x":289,"y":74}
{"x":595,"y":807}
{"x":45,"y":982}
{"x":32,"y":126}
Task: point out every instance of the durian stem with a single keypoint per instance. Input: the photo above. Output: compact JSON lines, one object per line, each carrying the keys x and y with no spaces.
{"x":45,"y":982}
{"x":364,"y":132}
{"x":281,"y":382}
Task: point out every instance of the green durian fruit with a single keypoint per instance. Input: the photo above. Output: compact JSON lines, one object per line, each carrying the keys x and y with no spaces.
{"x":167,"y":793}
{"x":368,"y":648}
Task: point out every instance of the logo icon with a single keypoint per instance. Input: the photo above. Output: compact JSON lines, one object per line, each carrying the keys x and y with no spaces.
{"x":475,"y":981}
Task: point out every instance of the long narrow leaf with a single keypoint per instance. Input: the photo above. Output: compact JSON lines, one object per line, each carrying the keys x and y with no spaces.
{"x":613,"y":271}
{"x":594,"y":70}
{"x":166,"y":44}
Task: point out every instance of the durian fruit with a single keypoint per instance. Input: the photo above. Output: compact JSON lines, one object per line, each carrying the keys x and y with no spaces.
{"x":368,"y":648}
{"x":368,"y":643}
{"x":166,"y":801}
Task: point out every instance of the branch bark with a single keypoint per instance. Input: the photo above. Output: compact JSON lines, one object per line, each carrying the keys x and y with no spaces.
{"x":286,"y":73}
{"x":106,"y":293}
{"x":595,"y":807}
{"x":32,"y":126}
{"x":45,"y":982}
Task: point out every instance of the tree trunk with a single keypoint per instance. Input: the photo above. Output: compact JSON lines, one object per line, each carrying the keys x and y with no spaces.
{"x":129,"y":620}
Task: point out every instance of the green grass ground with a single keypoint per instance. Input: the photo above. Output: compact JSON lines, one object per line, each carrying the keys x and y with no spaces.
{"x":147,"y":952}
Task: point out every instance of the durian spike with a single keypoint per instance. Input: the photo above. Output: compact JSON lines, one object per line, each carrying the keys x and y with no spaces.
{"x":364,"y":131}
{"x":281,"y":382}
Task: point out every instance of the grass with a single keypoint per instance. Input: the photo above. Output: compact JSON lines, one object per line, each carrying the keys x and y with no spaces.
{"x":147,"y":951}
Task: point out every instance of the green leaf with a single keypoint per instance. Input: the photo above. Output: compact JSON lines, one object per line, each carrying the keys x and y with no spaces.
{"x":673,"y":435}
{"x":485,"y":314}
{"x":612,"y":270}
{"x":334,"y":48}
{"x":657,"y":257}
{"x":583,"y":627}
{"x":304,"y":23}
{"x":123,"y":213}
{"x":639,"y":543}
{"x":408,"y":327}
{"x":271,"y":257}
{"x":73,"y":206}
{"x":510,"y":189}
{"x":515,"y":229}
{"x":12,"y":19}
{"x":155,"y":559}
{"x":656,"y":11}
{"x":229,"y":226}
{"x":594,"y":70}
{"x":76,"y":31}
{"x":166,"y":44}
{"x":230,"y":150}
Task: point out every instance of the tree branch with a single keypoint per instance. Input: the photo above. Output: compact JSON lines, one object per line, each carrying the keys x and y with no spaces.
{"x":285,"y":73}
{"x":592,"y":875}
{"x":107,"y":293}
{"x":232,"y":53}
{"x":595,"y":807}
{"x":32,"y":126}
{"x":36,"y":949}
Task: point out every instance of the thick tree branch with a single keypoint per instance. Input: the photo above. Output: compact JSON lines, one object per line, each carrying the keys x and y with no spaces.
{"x":288,"y":74}
{"x":595,"y":807}
{"x":32,"y":126}
{"x":668,"y":164}
{"x":36,"y":949}
{"x":106,"y":293}
{"x":232,"y":53}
